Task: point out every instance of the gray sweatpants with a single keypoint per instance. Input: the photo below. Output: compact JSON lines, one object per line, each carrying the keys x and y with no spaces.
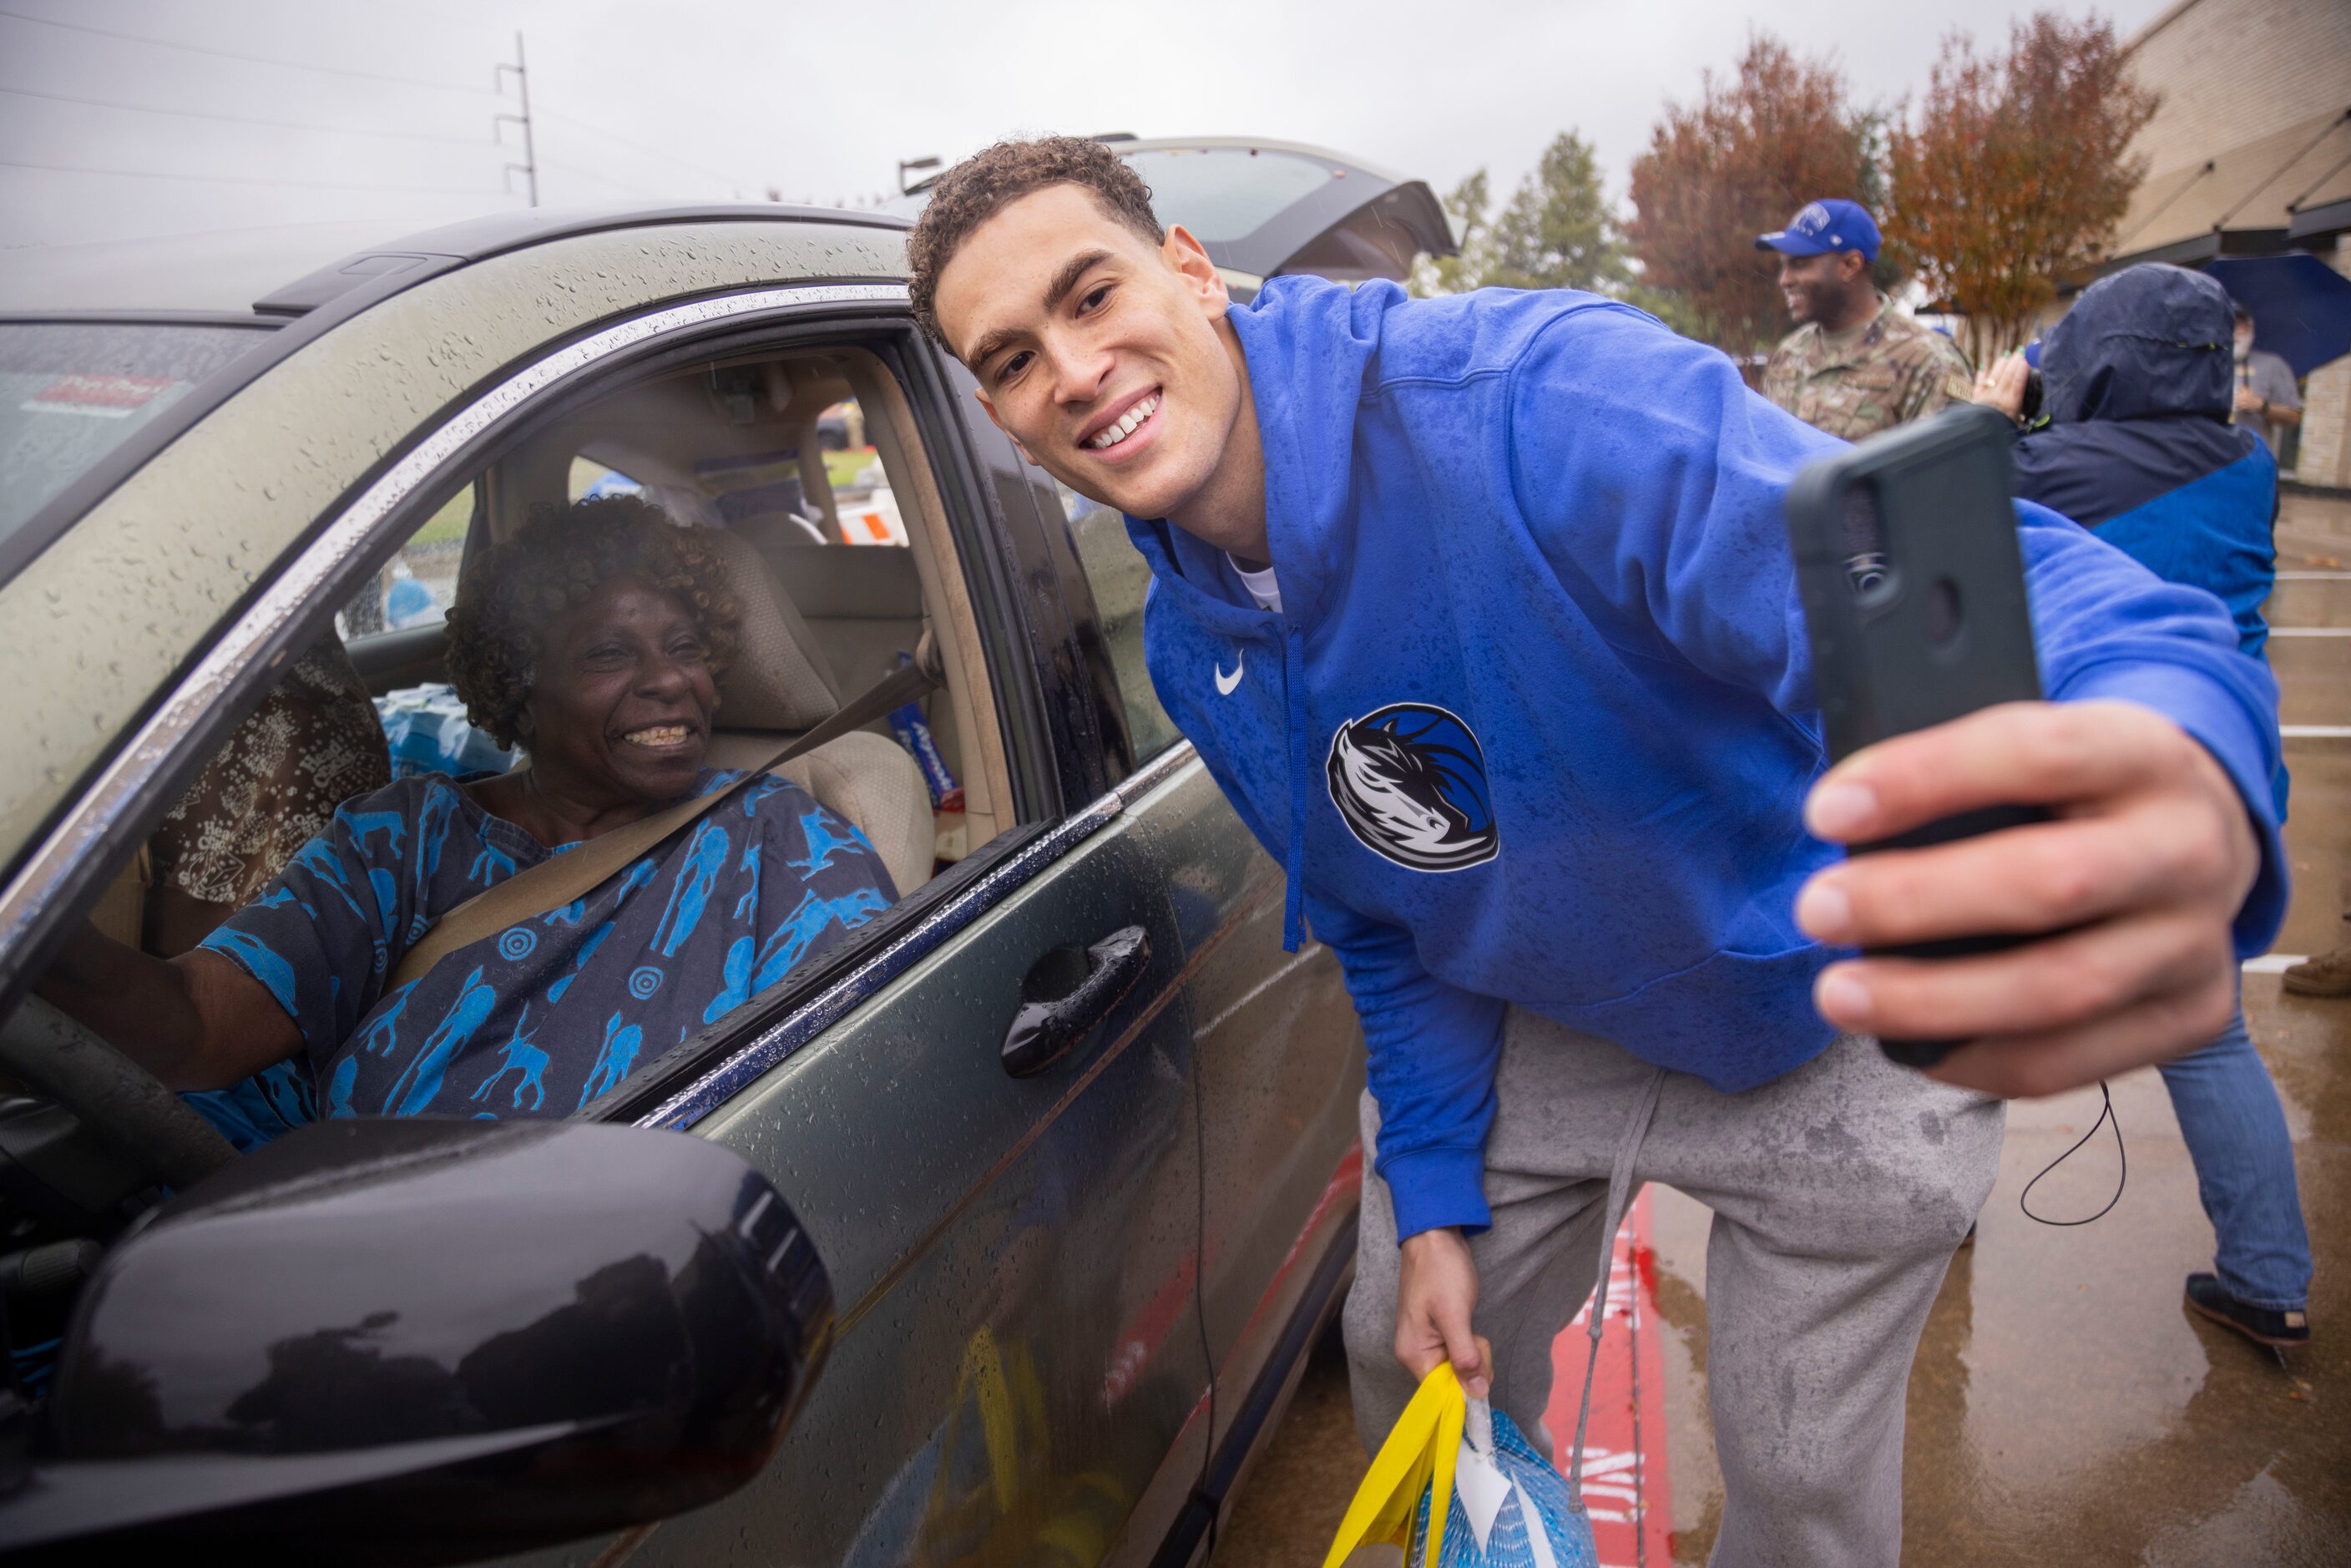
{"x":1839,"y":1193}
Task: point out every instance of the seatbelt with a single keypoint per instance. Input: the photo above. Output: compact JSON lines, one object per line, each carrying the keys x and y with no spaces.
{"x":557,"y":881}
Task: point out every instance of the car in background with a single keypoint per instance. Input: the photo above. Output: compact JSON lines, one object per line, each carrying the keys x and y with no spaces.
{"x":999,"y":1234}
{"x":1262,"y":208}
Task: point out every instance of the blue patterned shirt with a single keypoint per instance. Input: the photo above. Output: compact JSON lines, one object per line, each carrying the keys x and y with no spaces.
{"x":548,"y":1014}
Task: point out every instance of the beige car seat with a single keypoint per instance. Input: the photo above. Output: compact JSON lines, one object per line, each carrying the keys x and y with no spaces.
{"x":777,"y":687}
{"x":864,"y":604}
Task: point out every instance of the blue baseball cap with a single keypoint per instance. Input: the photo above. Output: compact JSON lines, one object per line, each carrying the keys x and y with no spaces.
{"x":1820,"y":227}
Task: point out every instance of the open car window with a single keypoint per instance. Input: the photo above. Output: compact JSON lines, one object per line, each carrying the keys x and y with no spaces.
{"x":812,"y":459}
{"x":821,"y":621}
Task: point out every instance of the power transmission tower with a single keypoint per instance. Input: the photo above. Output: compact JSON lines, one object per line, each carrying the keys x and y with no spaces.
{"x":529,"y":167}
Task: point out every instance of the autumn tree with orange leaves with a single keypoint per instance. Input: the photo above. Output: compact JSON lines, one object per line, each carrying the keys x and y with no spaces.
{"x":1774,"y":134}
{"x":2011,"y":175}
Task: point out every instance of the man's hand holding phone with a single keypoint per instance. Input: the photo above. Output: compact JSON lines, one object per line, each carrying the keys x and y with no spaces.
{"x":2129,"y":890}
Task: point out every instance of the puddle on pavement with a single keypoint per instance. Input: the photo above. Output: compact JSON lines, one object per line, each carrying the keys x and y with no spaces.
{"x":2063,"y":1406}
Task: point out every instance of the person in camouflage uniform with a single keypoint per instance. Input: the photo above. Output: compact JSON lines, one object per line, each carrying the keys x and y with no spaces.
{"x":1854,"y":366}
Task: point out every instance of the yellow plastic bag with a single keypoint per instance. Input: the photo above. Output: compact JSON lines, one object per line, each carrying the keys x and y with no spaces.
{"x":1417,"y":1458}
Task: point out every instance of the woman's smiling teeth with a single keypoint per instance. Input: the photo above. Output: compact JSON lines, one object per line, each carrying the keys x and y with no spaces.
{"x":1124,"y":425}
{"x":658,"y":735}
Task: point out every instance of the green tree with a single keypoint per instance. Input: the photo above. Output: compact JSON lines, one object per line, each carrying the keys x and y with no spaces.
{"x":1465,"y":206}
{"x":1557,"y":231}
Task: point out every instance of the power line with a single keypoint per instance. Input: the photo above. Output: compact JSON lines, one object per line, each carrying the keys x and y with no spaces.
{"x":240,"y":119}
{"x":727,"y":180}
{"x":469,"y":23}
{"x":255,"y":59}
{"x":602,"y":178}
{"x":241,"y":180}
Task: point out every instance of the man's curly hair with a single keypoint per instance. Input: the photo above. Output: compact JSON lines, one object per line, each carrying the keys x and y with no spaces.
{"x":988,"y":182}
{"x":513,"y":593}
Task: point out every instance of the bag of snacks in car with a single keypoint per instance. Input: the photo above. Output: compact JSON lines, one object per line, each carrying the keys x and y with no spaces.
{"x":427,"y":730}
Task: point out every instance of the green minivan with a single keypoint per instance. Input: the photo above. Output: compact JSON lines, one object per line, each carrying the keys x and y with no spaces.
{"x":900,"y":1294}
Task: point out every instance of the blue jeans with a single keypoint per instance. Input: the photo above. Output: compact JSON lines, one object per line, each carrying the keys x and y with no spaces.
{"x":2235,"y":1128}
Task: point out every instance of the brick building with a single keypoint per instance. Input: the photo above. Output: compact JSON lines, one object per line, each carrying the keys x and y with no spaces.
{"x":2249,"y":154}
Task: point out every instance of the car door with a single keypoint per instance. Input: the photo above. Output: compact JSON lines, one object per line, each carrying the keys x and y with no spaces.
{"x":1015,"y":1373}
{"x":1278,"y":1054}
{"x":1018,"y":1373}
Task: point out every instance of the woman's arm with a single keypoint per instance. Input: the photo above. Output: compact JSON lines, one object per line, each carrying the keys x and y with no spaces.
{"x":196,"y":1021}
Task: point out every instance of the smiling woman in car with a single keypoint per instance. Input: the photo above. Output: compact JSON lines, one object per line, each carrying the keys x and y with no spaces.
{"x":593,"y":640}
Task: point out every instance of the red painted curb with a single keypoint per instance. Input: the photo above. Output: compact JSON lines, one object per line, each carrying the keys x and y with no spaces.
{"x":1627,"y":1489}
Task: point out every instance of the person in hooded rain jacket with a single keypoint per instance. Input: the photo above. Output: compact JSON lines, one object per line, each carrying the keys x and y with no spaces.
{"x":1481,"y":612}
{"x":2135,"y":442}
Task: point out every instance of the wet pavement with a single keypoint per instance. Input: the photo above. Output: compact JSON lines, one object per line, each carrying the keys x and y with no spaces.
{"x":2064,"y":1407}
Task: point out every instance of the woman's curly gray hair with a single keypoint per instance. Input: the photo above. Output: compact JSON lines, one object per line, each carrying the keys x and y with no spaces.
{"x":513,"y":593}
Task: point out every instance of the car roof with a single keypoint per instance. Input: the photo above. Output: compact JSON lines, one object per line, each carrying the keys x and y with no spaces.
{"x":287,"y":270}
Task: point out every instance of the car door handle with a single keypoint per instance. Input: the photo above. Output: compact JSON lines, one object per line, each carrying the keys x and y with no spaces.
{"x":1067,"y":992}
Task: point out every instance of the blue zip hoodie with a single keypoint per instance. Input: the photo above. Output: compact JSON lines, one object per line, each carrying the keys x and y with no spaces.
{"x":1534,"y":724}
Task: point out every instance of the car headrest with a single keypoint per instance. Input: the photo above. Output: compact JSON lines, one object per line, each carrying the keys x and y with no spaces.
{"x":837,"y":582}
{"x":776,"y":681}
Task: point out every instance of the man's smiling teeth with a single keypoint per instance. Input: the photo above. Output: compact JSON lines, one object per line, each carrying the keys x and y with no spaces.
{"x":1125,"y":425}
{"x":657,"y":735}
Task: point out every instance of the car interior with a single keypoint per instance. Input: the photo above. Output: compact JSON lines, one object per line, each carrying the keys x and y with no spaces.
{"x":837,"y":581}
{"x":736,"y":447}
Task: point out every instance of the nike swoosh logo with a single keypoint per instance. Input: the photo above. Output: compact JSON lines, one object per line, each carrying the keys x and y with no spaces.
{"x":1225,"y":682}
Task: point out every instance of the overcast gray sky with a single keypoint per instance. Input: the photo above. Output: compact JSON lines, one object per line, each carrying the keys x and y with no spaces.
{"x":384,"y":110}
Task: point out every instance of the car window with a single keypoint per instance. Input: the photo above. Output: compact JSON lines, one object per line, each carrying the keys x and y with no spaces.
{"x":71,"y":391}
{"x":416,"y":587}
{"x":1119,"y":579}
{"x":591,"y":479}
{"x":865,"y":508}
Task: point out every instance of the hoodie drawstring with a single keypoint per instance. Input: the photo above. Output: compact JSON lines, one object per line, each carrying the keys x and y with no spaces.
{"x":1302,"y":774}
{"x":1620,"y":1193}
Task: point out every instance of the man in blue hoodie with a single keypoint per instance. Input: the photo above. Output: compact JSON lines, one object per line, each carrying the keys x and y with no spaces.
{"x":2134,"y":441}
{"x":1522,"y":698}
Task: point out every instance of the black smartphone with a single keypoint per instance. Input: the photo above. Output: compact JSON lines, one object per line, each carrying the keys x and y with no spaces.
{"x":1912,"y":587}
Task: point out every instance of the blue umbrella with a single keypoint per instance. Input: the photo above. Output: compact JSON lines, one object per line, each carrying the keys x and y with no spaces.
{"x":2301,"y":306}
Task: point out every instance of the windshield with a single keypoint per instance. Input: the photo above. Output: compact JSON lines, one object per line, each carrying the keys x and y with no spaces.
{"x":71,"y":391}
{"x":1226,"y":194}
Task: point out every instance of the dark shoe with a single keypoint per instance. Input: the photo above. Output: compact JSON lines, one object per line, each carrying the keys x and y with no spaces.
{"x":2265,"y":1325}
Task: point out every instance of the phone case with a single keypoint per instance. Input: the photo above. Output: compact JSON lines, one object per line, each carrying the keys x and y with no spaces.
{"x":1913,"y":587}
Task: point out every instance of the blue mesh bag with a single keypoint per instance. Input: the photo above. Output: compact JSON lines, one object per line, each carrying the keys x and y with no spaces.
{"x":1510,"y":1508}
{"x":1458,"y":1485}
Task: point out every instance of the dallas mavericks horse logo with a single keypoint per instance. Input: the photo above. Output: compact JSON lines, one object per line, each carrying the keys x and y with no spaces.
{"x":1409,"y":780}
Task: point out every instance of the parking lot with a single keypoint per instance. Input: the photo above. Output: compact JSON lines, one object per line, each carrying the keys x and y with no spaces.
{"x":2064,"y":1407}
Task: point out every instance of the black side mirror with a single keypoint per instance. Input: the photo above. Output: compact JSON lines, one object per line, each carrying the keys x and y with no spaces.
{"x":419,"y":1341}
